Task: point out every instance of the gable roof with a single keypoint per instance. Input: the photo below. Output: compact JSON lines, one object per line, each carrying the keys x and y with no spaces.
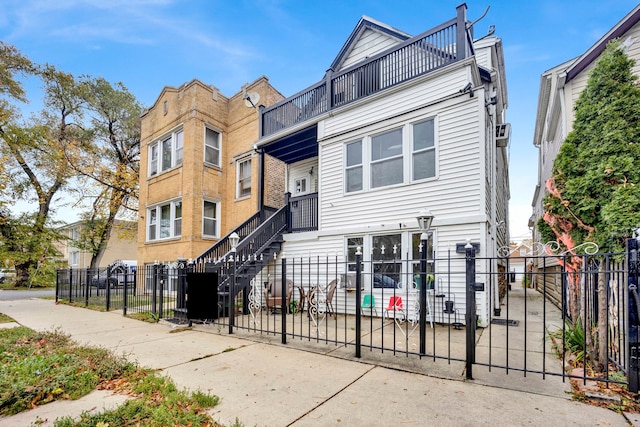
{"x":594,"y":52}
{"x":366,"y":23}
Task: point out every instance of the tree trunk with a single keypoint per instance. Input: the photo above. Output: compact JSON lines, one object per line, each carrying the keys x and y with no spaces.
{"x":603,"y":291}
{"x":22,"y":274}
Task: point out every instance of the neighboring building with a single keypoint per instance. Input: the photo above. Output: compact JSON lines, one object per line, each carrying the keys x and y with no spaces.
{"x":198,"y":168}
{"x":520,"y":257}
{"x":560,"y":88}
{"x":121,"y":245}
{"x":399,"y":124}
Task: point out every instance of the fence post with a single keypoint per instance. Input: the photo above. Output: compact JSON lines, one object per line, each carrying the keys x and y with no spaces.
{"x":126,"y":291}
{"x":358,"y":302}
{"x":57,"y":283}
{"x":181,"y":297}
{"x":232,"y":291}
{"x":470,"y":316}
{"x":163,"y":279}
{"x":70,"y":284}
{"x":107,"y":288}
{"x":87,"y":286}
{"x":633,"y":313}
{"x":424,"y":243}
{"x":284,"y":299}
{"x":156,"y":265}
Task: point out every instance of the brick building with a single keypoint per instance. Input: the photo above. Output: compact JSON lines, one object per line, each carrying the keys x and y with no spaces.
{"x":199,"y":174}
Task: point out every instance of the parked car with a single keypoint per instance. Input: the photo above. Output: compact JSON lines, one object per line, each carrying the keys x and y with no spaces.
{"x":383,"y":281}
{"x":116,"y":274}
{"x":6,"y":273}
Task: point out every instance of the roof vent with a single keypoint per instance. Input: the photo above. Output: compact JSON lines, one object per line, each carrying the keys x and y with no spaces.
{"x":503,"y":133}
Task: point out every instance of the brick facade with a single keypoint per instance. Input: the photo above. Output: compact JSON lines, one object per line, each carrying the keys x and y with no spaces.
{"x":192,"y":107}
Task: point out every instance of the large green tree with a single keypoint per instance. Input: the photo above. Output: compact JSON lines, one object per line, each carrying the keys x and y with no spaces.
{"x":37,"y":169}
{"x":593,"y":194}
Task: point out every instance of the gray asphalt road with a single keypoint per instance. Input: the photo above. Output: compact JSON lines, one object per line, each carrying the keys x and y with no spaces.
{"x":7,"y":295}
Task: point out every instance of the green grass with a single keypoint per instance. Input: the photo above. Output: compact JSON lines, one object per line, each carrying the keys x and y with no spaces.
{"x":37,"y":368}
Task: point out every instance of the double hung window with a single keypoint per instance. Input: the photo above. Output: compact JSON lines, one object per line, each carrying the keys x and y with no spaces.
{"x":386,"y":159}
{"x":243,"y":168}
{"x":164,"y":221}
{"x":166,"y":153}
{"x":353,"y":173}
{"x":423,"y":155}
{"x":210,"y":219}
{"x":212,"y":147}
{"x":401,"y":155}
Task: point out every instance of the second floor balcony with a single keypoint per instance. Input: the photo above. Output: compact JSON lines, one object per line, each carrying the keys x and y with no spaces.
{"x":445,"y":44}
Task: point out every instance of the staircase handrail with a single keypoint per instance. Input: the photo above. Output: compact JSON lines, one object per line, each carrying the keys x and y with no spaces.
{"x":223,"y":246}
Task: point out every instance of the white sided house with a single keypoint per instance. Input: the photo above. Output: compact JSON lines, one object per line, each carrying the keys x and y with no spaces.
{"x":398,"y":124}
{"x":560,"y":88}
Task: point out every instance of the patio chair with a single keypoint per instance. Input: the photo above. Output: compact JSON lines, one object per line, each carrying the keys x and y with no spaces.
{"x":303,"y":298}
{"x":368,"y":303}
{"x":395,"y":306}
{"x":331,"y":291}
{"x":273,"y":295}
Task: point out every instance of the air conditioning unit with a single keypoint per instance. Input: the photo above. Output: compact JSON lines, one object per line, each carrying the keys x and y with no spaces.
{"x":503,"y":133}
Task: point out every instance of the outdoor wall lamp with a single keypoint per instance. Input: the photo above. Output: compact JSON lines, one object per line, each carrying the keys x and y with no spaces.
{"x":234,"y":239}
{"x":425,"y":218}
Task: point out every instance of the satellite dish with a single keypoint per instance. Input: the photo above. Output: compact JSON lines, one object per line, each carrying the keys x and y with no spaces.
{"x":251,"y":99}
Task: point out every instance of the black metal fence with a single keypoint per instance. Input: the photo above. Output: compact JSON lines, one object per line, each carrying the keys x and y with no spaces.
{"x":150,"y":291}
{"x":470,"y":309}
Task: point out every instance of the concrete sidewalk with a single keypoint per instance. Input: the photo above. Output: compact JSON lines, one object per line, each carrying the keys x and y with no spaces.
{"x":266,"y":384}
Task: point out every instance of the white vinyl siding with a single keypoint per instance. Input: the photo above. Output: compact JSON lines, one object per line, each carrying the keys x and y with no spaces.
{"x":457,"y":189}
{"x":370,"y":43}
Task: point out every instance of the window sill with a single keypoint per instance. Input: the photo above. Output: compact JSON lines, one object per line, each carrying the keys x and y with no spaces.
{"x":165,"y":240}
{"x":390,"y":187}
{"x":165,"y":174}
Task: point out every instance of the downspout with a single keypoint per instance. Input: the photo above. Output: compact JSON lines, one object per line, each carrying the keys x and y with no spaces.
{"x":260,"y":152}
{"x":260,"y":180}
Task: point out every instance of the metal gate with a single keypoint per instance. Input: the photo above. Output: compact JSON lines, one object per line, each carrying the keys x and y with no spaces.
{"x":567,"y":312}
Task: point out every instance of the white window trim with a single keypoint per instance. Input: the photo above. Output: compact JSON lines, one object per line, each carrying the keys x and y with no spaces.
{"x":238,"y":163}
{"x":219,"y":148}
{"x":406,"y":250}
{"x":157,"y":143}
{"x":172,"y":218}
{"x":217,"y":219}
{"x":411,"y":152}
{"x":407,"y":157}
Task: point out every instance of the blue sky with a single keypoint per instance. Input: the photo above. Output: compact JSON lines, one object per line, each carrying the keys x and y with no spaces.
{"x":149,"y":44}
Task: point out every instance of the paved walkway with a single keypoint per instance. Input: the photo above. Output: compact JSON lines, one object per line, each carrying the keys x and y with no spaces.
{"x":267,"y":384}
